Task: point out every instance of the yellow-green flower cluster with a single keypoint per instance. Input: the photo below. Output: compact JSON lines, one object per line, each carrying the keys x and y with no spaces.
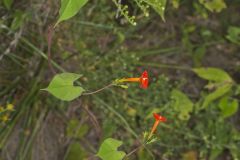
{"x":5,"y":112}
{"x":123,"y":9}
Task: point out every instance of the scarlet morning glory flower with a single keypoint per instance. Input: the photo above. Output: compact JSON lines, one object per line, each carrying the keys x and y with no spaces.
{"x":158,"y":119}
{"x":143,"y":80}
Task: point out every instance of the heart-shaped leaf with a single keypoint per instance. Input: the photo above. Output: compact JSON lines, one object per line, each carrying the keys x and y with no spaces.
{"x":182,"y":104}
{"x":62,"y":86}
{"x":69,"y":8}
{"x":228,"y":107}
{"x":108,"y":150}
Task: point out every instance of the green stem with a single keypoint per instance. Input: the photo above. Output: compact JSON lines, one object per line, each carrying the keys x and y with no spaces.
{"x":133,"y":151}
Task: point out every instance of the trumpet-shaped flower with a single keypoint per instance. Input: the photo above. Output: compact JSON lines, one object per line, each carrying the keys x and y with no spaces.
{"x":143,"y":80}
{"x":158,"y":119}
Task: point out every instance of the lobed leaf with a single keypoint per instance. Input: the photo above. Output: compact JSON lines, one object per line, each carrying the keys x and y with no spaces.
{"x":108,"y":150}
{"x":227,"y":107}
{"x":182,"y":104}
{"x":62,"y":86}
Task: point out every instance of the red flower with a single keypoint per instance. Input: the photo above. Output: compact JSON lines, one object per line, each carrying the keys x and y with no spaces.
{"x":158,"y":119}
{"x":143,"y":80}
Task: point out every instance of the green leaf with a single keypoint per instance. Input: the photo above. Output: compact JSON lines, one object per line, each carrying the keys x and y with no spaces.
{"x":75,"y":129}
{"x":213,"y":74}
{"x":159,"y":6}
{"x":8,"y":3}
{"x":62,"y":86}
{"x":214,"y":5}
{"x":18,"y":20}
{"x":124,"y":86}
{"x":228,"y":107}
{"x":198,"y":55}
{"x":182,"y":104}
{"x":69,"y":8}
{"x":76,"y":152}
{"x":108,"y":150}
{"x":234,"y":35}
{"x":219,"y":92}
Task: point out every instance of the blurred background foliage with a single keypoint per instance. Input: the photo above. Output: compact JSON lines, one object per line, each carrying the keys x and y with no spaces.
{"x":102,"y":45}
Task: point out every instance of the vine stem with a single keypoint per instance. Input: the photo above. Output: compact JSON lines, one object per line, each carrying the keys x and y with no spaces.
{"x":134,"y":150}
{"x":99,"y":90}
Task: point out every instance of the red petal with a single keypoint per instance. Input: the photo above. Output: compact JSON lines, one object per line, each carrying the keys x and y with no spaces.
{"x":159,"y":117}
{"x":145,"y":74}
{"x":144,"y":80}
